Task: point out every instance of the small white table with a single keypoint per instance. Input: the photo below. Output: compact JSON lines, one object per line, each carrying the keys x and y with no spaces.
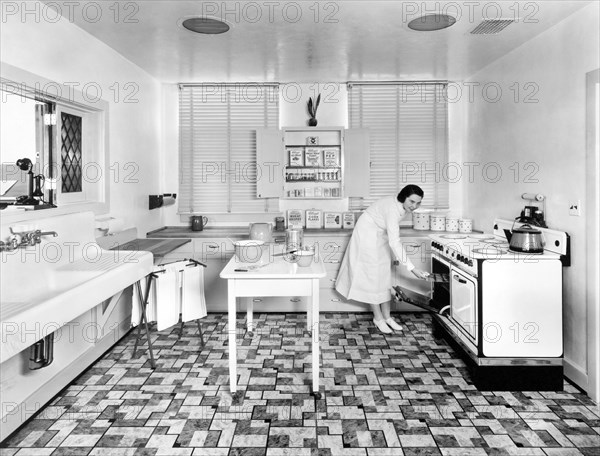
{"x":277,"y":277}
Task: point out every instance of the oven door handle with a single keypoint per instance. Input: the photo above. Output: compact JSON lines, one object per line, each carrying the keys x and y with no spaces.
{"x":457,"y":277}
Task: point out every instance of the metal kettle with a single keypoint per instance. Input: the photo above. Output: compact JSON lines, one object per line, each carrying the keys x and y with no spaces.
{"x":525,"y":239}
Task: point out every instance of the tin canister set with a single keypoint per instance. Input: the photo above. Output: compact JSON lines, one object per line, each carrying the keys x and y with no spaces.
{"x":424,"y":220}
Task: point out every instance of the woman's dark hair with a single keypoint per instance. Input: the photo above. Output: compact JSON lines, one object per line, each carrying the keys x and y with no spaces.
{"x":410,"y":190}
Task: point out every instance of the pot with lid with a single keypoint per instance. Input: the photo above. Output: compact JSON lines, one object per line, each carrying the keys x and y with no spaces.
{"x":525,"y":239}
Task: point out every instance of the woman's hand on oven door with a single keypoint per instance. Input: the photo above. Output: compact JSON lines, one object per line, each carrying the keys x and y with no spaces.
{"x":420,"y":274}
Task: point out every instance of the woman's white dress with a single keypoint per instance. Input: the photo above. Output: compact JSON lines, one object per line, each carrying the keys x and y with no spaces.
{"x":366,"y":271}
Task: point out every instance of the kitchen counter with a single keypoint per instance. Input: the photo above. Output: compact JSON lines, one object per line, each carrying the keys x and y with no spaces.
{"x":242,"y":232}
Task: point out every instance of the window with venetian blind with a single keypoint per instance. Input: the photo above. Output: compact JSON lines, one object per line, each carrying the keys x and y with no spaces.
{"x":217,"y":146}
{"x":408,"y":125}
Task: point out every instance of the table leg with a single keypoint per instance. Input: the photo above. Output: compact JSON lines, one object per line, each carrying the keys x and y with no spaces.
{"x":315,"y":337}
{"x":231,"y":329}
{"x":249,"y":312}
{"x":309,"y":316}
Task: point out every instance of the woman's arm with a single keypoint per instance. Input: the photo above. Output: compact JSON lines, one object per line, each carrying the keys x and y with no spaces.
{"x":392,"y":221}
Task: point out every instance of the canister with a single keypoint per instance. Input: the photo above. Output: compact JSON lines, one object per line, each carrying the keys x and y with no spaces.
{"x":452,"y":224}
{"x":421,"y":219}
{"x":465,"y":225}
{"x":437,"y":222}
{"x":294,"y":239}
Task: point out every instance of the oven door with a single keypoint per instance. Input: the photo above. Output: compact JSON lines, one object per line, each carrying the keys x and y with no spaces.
{"x":441,"y":291}
{"x":463,"y":298}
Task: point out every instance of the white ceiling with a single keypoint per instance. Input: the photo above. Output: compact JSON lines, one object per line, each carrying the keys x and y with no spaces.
{"x":286,"y":41}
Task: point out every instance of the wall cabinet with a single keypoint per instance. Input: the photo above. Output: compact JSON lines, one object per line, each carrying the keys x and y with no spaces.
{"x":312,"y":163}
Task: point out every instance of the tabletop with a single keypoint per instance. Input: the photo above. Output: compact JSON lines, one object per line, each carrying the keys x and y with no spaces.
{"x":273,"y":268}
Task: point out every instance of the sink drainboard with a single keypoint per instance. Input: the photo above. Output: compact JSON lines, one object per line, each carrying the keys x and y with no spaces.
{"x":100,"y":263}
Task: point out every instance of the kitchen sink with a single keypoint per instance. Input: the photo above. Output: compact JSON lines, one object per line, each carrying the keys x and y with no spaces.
{"x":52,"y":283}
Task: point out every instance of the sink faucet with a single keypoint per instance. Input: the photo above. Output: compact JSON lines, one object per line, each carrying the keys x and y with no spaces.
{"x":36,"y":236}
{"x":22,"y":239}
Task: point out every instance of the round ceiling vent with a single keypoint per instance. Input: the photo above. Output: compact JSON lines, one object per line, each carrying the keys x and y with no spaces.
{"x":431,"y":22}
{"x":205,"y":25}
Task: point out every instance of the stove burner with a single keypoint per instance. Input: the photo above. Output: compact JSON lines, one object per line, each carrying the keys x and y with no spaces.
{"x":496,"y":243}
{"x":491,"y":250}
{"x":453,"y":236}
{"x":481,"y":237}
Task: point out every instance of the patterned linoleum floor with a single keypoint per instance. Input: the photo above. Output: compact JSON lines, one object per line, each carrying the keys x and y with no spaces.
{"x":401,"y":394}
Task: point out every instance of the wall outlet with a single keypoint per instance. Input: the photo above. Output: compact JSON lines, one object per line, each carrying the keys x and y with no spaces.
{"x":575,"y":208}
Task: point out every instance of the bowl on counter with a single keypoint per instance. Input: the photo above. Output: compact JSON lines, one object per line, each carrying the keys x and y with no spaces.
{"x":249,"y":251}
{"x":305,"y":257}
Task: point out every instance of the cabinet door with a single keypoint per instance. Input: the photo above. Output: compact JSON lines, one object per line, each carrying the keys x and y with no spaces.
{"x":269,"y":161}
{"x":357,"y":165}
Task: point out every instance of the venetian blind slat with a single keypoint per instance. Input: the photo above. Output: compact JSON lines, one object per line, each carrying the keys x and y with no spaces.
{"x":218,"y":145}
{"x":408,"y":131}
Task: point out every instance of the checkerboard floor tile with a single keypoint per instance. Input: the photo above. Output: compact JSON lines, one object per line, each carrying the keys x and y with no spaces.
{"x":382,"y":395}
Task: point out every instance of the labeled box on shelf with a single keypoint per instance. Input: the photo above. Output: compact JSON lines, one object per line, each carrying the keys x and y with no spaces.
{"x":331,"y":157}
{"x":295,"y":218}
{"x":296,"y":156}
{"x":312,"y":157}
{"x":332,"y":219}
{"x":314,"y":218}
{"x":348,"y":220}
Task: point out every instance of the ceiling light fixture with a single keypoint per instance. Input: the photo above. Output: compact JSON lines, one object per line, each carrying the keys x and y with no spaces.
{"x":205,"y":25}
{"x":431,"y":22}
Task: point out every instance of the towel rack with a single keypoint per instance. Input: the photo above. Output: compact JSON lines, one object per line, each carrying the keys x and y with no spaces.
{"x":143,"y":299}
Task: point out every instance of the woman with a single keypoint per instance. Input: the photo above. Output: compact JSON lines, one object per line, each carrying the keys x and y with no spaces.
{"x":366,"y":271}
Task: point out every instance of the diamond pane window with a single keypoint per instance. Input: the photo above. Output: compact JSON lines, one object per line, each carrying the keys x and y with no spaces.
{"x":71,"y":167}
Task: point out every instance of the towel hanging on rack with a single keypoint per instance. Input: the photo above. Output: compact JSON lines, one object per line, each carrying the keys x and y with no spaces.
{"x":193,"y":303}
{"x":178,"y":287}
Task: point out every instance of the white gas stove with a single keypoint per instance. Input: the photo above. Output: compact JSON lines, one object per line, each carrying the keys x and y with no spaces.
{"x":503,"y":308}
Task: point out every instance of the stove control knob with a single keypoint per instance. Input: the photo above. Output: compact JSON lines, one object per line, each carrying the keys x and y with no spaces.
{"x":470,"y":262}
{"x":459,"y":257}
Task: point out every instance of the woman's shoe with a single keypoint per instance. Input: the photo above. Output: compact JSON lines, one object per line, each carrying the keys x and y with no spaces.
{"x":382,"y":326}
{"x":392,"y":324}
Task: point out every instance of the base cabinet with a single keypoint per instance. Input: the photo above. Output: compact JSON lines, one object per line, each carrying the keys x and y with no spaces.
{"x":329,"y":248}
{"x":76,"y":345}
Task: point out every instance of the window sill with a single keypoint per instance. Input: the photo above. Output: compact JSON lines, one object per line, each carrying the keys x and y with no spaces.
{"x":9,"y":216}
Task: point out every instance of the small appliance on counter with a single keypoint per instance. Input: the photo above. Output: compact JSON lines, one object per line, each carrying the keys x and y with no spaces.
{"x":533,"y":215}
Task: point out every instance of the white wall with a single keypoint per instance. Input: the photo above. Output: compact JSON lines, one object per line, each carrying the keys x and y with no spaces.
{"x":62,"y":52}
{"x":546,"y":139}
